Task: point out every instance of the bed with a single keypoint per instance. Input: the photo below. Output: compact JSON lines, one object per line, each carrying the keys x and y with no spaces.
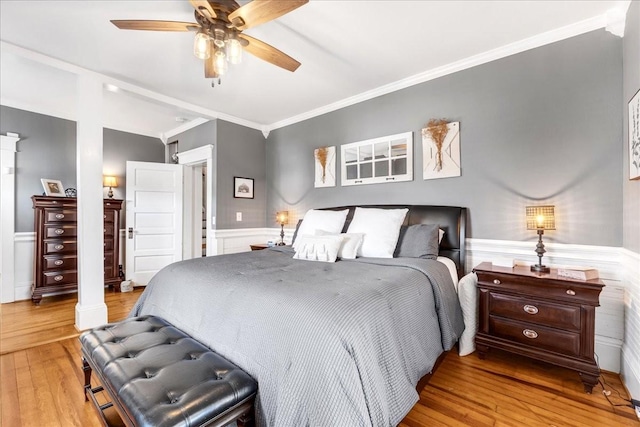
{"x":340,"y":343}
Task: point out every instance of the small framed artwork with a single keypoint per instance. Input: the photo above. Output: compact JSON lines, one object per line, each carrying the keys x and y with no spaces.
{"x":53,"y":187}
{"x":634,"y":136}
{"x":242,"y":188}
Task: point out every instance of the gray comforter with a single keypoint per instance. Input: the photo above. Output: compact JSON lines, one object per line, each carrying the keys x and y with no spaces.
{"x":330,"y":344}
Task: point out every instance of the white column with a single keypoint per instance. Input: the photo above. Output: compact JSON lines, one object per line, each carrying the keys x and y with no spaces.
{"x":7,"y":215}
{"x":91,"y":310}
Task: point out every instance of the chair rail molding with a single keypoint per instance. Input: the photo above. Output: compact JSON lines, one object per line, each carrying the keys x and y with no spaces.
{"x":8,"y":150}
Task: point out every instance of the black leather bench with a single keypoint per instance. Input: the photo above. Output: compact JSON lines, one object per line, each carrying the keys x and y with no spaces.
{"x":156,"y":375}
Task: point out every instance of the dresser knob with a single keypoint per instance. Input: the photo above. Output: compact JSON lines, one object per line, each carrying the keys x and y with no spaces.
{"x":59,"y":231}
{"x":59,"y":216}
{"x":530,"y":333}
{"x":58,"y":277}
{"x":496,"y":281}
{"x":531,"y":309}
{"x":59,"y":247}
{"x":571,"y":292}
{"x":58,"y":262}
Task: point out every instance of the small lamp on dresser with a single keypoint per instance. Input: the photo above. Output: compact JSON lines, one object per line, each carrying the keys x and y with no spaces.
{"x":283,"y":218}
{"x":111,"y":182}
{"x":540,"y":218}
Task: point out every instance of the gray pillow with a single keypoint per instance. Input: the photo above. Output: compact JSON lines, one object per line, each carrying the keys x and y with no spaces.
{"x":418,"y":241}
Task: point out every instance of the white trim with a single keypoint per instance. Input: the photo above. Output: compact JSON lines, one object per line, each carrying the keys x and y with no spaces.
{"x":80,"y":71}
{"x":200,"y":155}
{"x":7,"y":215}
{"x":630,"y":372}
{"x":182,"y":128}
{"x":473,"y":61}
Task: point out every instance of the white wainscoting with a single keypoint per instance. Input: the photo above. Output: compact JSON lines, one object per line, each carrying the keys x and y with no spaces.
{"x":630,"y":371}
{"x":618,"y":269}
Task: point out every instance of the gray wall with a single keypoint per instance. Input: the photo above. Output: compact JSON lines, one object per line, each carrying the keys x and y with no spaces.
{"x":540,"y":126}
{"x":631,"y":84}
{"x":47,"y":149}
{"x":238,"y":151}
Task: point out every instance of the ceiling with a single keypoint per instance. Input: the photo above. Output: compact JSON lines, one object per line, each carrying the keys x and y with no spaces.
{"x":350,"y":51}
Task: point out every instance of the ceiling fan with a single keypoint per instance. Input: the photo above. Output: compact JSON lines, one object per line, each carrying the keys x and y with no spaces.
{"x":219,"y":30}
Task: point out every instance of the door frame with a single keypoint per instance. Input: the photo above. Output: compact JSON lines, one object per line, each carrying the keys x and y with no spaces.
{"x":198,"y":157}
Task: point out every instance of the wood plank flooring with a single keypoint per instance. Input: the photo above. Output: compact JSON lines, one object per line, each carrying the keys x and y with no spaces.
{"x":41,"y":380}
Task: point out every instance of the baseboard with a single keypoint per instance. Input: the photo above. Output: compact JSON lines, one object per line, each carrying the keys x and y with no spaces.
{"x":630,"y":369}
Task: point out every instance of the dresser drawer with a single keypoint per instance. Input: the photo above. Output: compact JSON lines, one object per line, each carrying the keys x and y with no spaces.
{"x":109,"y":216}
{"x":534,"y":311}
{"x":60,"y":278}
{"x":108,"y":244}
{"x":108,"y":229}
{"x":59,"y":215}
{"x":60,"y":230}
{"x":60,"y":262}
{"x":538,"y":336}
{"x":60,"y":246}
{"x":108,"y":272}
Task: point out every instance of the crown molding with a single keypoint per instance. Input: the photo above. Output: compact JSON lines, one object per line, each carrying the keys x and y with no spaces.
{"x":182,"y":128}
{"x":472,"y":61}
{"x":145,"y":93}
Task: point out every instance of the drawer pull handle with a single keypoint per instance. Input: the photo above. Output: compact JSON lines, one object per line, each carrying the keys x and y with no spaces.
{"x":59,"y":231}
{"x":58,"y":277}
{"x":59,"y":216}
{"x":58,"y":247}
{"x":531,"y":309}
{"x":104,"y":230}
{"x":571,"y":292}
{"x":496,"y":281}
{"x":58,"y":262}
{"x":530,"y":333}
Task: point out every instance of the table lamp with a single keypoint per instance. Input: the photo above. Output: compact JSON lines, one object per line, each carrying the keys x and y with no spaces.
{"x":111,"y":182}
{"x":283,"y":218}
{"x":540,"y":218}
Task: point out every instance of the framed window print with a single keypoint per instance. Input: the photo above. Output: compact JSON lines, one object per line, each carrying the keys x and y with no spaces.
{"x":53,"y":187}
{"x":242,"y":188}
{"x":634,"y":136}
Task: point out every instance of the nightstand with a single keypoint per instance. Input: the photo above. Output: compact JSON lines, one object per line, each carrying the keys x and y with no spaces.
{"x":539,"y":315}
{"x":259,"y":247}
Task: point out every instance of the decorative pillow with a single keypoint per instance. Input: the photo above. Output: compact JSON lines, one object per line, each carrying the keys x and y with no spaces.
{"x":418,"y":241}
{"x":381,"y":228}
{"x":350,"y":244}
{"x":440,"y":235}
{"x":318,"y":248}
{"x":329,"y":221}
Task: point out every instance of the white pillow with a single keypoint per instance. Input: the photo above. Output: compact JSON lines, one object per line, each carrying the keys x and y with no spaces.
{"x":381,"y":228}
{"x":318,"y":248}
{"x":468,"y":296}
{"x":440,"y":234}
{"x":350,"y":244}
{"x":329,"y":221}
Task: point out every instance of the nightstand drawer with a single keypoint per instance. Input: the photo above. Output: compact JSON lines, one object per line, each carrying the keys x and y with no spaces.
{"x":538,"y":336}
{"x":530,"y":310}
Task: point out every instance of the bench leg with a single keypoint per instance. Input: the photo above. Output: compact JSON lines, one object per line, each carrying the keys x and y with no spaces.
{"x":87,"y":378}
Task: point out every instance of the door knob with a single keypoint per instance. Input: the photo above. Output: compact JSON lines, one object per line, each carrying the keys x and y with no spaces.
{"x":130,"y":232}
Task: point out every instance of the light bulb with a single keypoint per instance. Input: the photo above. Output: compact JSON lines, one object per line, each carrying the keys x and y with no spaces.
{"x":201,"y":46}
{"x":220,"y":63}
{"x":540,"y":221}
{"x":234,"y":51}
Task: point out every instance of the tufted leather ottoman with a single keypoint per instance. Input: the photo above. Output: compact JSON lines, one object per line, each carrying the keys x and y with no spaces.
{"x":156,"y":375}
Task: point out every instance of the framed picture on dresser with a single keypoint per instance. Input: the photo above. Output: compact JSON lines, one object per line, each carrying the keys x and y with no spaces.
{"x":52,"y":187}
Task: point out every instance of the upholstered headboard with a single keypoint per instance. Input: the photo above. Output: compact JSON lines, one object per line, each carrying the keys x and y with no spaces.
{"x":451,"y":219}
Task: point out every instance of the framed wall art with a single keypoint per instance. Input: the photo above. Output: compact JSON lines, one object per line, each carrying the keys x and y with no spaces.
{"x":441,"y":150}
{"x":325,"y":167}
{"x":634,"y":136}
{"x":242,"y":188}
{"x":53,"y":187}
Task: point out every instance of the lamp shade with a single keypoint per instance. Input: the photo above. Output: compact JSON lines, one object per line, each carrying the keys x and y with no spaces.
{"x":282,"y":217}
{"x":541,"y":218}
{"x":109,"y":181}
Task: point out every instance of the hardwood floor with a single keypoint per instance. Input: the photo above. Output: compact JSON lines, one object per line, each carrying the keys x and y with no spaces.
{"x":41,"y":380}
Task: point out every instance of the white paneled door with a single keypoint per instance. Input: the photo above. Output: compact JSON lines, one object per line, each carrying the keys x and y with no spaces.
{"x":154,"y":219}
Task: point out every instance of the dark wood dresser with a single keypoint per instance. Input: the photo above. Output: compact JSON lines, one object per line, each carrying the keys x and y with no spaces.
{"x":55,"y":258}
{"x":539,"y":315}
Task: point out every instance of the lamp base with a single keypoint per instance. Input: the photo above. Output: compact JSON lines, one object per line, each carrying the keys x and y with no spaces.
{"x":280,"y":244}
{"x":540,"y":268}
{"x":110,"y":193}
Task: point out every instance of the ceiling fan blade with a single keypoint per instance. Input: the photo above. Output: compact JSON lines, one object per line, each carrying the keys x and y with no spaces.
{"x":204,"y":8}
{"x":269,"y":53}
{"x":155,"y":25}
{"x":260,"y":11}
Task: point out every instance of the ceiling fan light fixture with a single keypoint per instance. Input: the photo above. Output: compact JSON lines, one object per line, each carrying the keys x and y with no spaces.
{"x":201,"y":45}
{"x":220,"y":63}
{"x":234,"y":51}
